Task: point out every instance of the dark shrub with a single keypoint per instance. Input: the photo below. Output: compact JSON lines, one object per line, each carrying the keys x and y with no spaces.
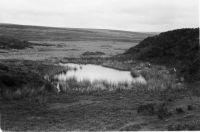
{"x":146,"y":109}
{"x":190,"y":107}
{"x":179,"y":110}
{"x":7,"y":42}
{"x":135,"y":74}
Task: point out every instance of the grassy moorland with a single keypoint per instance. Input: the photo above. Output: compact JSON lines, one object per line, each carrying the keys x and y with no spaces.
{"x":39,"y":33}
{"x":166,"y":102}
{"x":52,"y":43}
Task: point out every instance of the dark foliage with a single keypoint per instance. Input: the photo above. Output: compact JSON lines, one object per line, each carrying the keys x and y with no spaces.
{"x":146,"y":109}
{"x":19,"y":81}
{"x":190,"y":107}
{"x":12,"y":43}
{"x":93,"y":53}
{"x":179,"y":110}
{"x":159,"y":109}
{"x":177,"y":48}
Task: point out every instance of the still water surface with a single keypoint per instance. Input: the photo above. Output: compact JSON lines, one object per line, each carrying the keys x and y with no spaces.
{"x":93,"y":72}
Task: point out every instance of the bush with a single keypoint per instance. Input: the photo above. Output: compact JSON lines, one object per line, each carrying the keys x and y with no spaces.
{"x":12,"y":43}
{"x":20,"y":83}
{"x":134,"y":73}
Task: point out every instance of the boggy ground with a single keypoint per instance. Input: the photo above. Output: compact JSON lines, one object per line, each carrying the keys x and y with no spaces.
{"x":164,"y":103}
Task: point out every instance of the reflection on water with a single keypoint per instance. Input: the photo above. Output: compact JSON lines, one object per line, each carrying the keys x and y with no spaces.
{"x":93,"y":72}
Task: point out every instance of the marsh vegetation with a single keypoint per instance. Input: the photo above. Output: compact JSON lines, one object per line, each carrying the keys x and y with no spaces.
{"x":76,"y":91}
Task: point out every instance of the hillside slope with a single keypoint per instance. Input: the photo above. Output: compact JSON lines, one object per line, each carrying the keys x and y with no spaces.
{"x":39,"y":33}
{"x":179,"y":48}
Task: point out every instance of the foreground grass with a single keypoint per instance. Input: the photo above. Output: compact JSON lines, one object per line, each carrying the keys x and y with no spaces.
{"x":109,"y":107}
{"x":94,"y":116}
{"x":114,"y":110}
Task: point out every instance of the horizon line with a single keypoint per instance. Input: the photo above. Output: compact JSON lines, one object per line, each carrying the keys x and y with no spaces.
{"x":155,"y":32}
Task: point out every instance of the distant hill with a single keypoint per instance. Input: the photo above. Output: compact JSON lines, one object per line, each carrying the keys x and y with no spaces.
{"x":39,"y":33}
{"x":12,"y":43}
{"x":179,"y":48}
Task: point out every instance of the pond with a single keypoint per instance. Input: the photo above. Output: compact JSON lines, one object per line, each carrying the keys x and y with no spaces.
{"x":94,"y":72}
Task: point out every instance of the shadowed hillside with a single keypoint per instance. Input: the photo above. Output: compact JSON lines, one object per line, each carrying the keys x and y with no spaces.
{"x":179,"y":48}
{"x":39,"y":33}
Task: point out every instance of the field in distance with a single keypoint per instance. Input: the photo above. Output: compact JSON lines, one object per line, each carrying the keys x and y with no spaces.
{"x":67,"y":42}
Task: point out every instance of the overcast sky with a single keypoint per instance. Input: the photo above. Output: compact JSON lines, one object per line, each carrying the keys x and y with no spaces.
{"x":133,"y":15}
